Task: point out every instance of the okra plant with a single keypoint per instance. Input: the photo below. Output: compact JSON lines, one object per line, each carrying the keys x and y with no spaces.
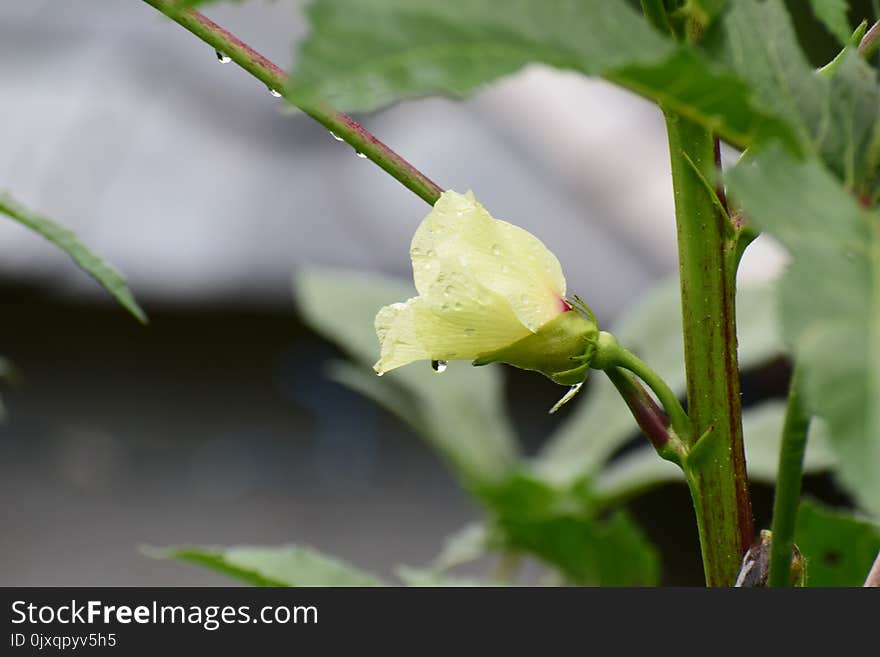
{"x":488,"y":292}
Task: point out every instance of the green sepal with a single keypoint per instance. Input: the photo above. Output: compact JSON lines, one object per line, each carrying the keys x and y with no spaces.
{"x":561,"y":350}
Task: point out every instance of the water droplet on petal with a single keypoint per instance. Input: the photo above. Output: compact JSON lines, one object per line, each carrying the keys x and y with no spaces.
{"x":380,"y":373}
{"x":438,"y":366}
{"x":335,"y":136}
{"x":496,"y":250}
{"x":458,"y":305}
{"x":505,"y":269}
{"x":360,"y":155}
{"x":448,"y":290}
{"x":274,"y":93}
{"x":223,"y":58}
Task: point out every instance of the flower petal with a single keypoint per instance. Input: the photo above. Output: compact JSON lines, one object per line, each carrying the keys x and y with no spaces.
{"x":467,"y":321}
{"x":395,"y":327}
{"x":459,"y":235}
{"x":461,"y":319}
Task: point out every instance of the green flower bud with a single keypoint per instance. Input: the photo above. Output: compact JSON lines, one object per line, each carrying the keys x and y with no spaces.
{"x":561,"y":349}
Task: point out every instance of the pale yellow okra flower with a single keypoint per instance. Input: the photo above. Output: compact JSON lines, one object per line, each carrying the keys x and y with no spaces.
{"x":487,"y":291}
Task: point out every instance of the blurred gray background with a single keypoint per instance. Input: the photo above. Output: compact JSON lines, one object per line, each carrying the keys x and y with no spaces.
{"x":213,"y":425}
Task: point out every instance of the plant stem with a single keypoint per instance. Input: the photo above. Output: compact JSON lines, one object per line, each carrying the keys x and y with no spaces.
{"x":788,"y":485}
{"x":617,"y":356}
{"x":716,"y":468}
{"x":276,"y":79}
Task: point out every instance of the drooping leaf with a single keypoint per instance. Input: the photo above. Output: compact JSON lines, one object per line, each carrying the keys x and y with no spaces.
{"x":65,"y":239}
{"x":366,"y":55}
{"x":460,"y":413}
{"x":289,"y":565}
{"x":641,"y":469}
{"x":832,"y":13}
{"x":839,"y":547}
{"x":829,"y":302}
{"x":601,"y":422}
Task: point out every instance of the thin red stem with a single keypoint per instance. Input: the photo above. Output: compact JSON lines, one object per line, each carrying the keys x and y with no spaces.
{"x":275,"y":78}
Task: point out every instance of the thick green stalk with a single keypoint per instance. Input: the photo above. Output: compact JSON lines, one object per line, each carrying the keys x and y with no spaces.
{"x":715,"y":468}
{"x":276,"y":79}
{"x":788,"y":485}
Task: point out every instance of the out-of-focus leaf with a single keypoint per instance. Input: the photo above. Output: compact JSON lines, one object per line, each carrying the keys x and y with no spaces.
{"x":642,"y":469}
{"x":705,"y":10}
{"x":601,"y":422}
{"x":836,"y":118}
{"x":289,"y":565}
{"x":460,"y":413}
{"x":368,"y":54}
{"x":561,"y":528}
{"x":829,"y":302}
{"x":65,"y":239}
{"x":839,"y":547}
{"x":468,"y":544}
{"x":421,"y":577}
{"x":832,"y":13}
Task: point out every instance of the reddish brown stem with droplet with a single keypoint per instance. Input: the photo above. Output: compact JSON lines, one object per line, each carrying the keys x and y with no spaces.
{"x":275,"y":78}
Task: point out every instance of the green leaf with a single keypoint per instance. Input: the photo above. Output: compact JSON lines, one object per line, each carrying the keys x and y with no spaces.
{"x":289,"y":565}
{"x":835,"y":117}
{"x":829,"y":302}
{"x":641,"y":469}
{"x":839,"y":547}
{"x":760,"y":44}
{"x":67,"y":241}
{"x":369,"y":54}
{"x":832,"y":13}
{"x":601,"y":422}
{"x":460,"y":413}
{"x":564,"y":532}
